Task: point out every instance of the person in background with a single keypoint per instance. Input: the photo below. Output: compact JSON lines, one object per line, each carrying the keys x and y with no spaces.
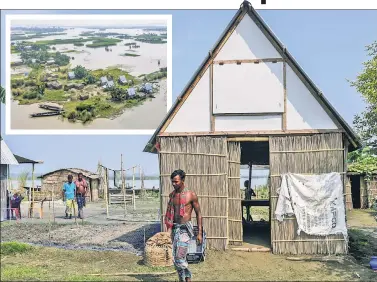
{"x":15,"y":204}
{"x":69,"y":191}
{"x":81,"y":190}
{"x":178,"y":222}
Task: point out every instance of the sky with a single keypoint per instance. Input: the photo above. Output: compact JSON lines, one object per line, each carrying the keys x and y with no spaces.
{"x":328,"y":44}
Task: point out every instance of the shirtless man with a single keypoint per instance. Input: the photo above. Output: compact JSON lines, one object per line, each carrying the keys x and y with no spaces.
{"x":81,"y":189}
{"x":178,"y":222}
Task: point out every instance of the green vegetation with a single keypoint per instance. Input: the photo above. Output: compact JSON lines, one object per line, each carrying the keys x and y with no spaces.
{"x":62,"y":41}
{"x":130,"y":55}
{"x":38,"y":35}
{"x":103,"y":42}
{"x":12,"y":248}
{"x":162,"y":73}
{"x":362,"y":161}
{"x":366,"y":85}
{"x":2,"y":94}
{"x":14,"y":50}
{"x":361,"y":245}
{"x":79,"y":44}
{"x":80,"y":72}
{"x":151,"y":38}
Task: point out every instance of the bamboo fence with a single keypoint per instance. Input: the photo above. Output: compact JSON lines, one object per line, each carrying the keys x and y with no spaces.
{"x":204,"y":159}
{"x":235,"y":229}
{"x":319,"y":153}
{"x":363,"y":193}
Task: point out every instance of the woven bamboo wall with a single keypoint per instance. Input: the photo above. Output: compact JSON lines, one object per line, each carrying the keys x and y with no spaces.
{"x":363,"y":193}
{"x":234,"y":194}
{"x":205,"y":161}
{"x":349,"y":203}
{"x":372,"y":190}
{"x":319,"y":153}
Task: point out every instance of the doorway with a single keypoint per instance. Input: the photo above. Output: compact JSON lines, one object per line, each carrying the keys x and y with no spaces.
{"x":355,"y":190}
{"x":255,"y":192}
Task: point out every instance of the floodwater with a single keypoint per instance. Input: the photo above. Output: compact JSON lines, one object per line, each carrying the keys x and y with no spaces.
{"x":99,"y":58}
{"x":146,"y":116}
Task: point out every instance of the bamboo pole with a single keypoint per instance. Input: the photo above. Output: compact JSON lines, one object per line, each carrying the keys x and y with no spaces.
{"x":32,"y":189}
{"x":123,"y":188}
{"x":53,"y":204}
{"x":106,"y":191}
{"x":133,"y":188}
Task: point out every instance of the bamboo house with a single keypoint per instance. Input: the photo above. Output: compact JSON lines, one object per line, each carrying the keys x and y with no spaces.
{"x":250,"y":102}
{"x":54,"y":181}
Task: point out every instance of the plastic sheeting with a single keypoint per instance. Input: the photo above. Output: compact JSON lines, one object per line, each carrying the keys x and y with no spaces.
{"x":315,"y":200}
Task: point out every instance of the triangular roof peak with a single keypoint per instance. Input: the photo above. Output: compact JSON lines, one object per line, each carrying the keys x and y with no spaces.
{"x":246,"y":9}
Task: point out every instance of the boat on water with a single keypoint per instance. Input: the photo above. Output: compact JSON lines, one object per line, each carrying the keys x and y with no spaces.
{"x":47,"y":114}
{"x":49,"y":107}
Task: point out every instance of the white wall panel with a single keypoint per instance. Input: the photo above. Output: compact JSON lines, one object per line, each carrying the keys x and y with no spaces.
{"x":248,"y":88}
{"x":247,"y":42}
{"x":303,"y":110}
{"x":248,"y":123}
{"x":194,"y":115}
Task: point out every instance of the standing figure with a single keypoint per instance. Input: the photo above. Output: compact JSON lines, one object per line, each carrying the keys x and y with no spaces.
{"x":81,"y":190}
{"x":69,"y":191}
{"x":178,"y":222}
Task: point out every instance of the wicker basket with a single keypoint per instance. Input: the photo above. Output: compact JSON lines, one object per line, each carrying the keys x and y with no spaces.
{"x":158,"y":250}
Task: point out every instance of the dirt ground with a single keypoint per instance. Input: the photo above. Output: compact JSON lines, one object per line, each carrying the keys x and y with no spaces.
{"x":69,"y":250}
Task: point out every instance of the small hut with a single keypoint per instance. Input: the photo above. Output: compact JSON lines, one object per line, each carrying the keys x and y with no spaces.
{"x":362,"y":190}
{"x":54,"y":180}
{"x":8,"y":159}
{"x":131,"y":92}
{"x":71,"y":75}
{"x":103,"y":80}
{"x":252,"y":103}
{"x":122,"y":80}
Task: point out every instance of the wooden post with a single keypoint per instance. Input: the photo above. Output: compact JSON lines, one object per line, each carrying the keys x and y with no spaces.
{"x":133,"y":187}
{"x":105,"y":188}
{"x":123,"y":188}
{"x":53,"y":204}
{"x":32,"y":191}
{"x":248,"y":216}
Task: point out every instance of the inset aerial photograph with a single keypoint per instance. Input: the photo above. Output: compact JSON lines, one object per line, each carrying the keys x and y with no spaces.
{"x":88,"y":72}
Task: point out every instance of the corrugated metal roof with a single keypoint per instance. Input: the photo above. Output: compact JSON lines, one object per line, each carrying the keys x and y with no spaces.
{"x":7,"y":156}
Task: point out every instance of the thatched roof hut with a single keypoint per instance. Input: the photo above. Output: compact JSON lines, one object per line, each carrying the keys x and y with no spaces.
{"x":250,"y":101}
{"x":361,"y":190}
{"x":54,"y":180}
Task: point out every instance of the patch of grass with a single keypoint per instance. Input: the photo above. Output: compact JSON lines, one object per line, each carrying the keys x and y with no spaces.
{"x":21,"y":273}
{"x":84,"y":278}
{"x":130,"y":55}
{"x":11,"y":248}
{"x":62,"y":41}
{"x":54,"y":95}
{"x":103,"y":42}
{"x":362,"y":245}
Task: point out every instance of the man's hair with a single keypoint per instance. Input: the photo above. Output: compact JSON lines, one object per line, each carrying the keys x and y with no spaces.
{"x":80,"y":173}
{"x":179,"y":172}
{"x":70,"y":176}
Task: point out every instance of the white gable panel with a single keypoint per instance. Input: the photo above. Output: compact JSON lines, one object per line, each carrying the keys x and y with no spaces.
{"x":247,"y":42}
{"x":248,"y":88}
{"x":248,"y":123}
{"x":303,"y":110}
{"x":194,"y":114}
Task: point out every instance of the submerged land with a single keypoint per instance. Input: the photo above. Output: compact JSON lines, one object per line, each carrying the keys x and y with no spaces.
{"x":64,"y":71}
